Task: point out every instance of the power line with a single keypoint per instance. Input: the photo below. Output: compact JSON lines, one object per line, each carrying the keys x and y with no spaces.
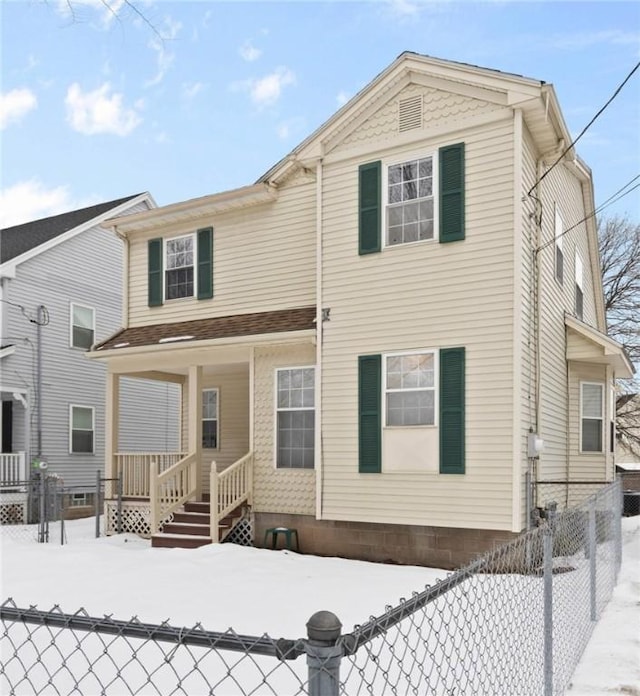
{"x":614,"y":198}
{"x":584,"y":130}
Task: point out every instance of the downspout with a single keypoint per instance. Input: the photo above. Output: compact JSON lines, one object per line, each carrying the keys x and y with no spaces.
{"x":319,"y":315}
{"x":39,"y":321}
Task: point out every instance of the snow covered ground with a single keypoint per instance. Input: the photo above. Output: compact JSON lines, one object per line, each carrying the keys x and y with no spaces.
{"x":257,"y":591}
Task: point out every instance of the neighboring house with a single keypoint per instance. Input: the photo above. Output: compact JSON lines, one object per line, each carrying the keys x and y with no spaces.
{"x":370,"y":338}
{"x":628,"y":441}
{"x":61,"y":291}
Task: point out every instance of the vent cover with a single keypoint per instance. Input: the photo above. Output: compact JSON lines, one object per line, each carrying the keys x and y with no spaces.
{"x":410,"y":113}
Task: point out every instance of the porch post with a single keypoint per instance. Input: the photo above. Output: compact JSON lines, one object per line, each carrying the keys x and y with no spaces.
{"x":112,"y":422}
{"x":194,"y":429}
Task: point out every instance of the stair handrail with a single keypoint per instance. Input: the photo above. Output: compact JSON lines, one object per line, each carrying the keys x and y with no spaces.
{"x":228,"y":489}
{"x":169,"y":489}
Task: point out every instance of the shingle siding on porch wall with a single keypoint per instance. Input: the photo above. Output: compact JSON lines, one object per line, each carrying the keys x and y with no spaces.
{"x":426,"y":295}
{"x":64,"y":274}
{"x":289,"y":491}
{"x":264,"y":259}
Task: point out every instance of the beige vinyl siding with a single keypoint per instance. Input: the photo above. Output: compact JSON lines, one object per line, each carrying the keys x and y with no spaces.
{"x":264,"y":259}
{"x":286,"y":491}
{"x":562,"y":190}
{"x":588,"y":466}
{"x":425,"y":295}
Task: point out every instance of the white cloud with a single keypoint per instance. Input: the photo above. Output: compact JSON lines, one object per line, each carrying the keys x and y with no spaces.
{"x":165,"y":57}
{"x":585,"y":40}
{"x":403,"y":8}
{"x":99,"y":111}
{"x":32,"y":200}
{"x":16,"y":104}
{"x":249,"y":52}
{"x":191,"y":89}
{"x":107,"y":10}
{"x":266,"y":90}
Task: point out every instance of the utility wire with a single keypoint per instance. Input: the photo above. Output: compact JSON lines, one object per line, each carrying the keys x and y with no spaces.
{"x":584,"y":130}
{"x":614,"y":198}
{"x":45,"y":313}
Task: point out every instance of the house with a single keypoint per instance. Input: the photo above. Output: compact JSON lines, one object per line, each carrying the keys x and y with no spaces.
{"x":387,"y":336}
{"x":61,"y":291}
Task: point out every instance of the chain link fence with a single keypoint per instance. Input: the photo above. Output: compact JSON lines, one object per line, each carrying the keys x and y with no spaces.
{"x":516,"y":621}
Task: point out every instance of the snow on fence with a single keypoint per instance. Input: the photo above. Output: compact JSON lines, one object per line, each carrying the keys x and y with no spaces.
{"x":516,"y":621}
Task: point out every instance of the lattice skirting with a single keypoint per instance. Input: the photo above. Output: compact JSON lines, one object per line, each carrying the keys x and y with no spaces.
{"x":13,"y":508}
{"x":135,"y":518}
{"x":242,"y":533}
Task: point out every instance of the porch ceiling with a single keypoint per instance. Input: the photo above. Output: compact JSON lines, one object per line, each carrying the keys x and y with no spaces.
{"x":586,"y":344}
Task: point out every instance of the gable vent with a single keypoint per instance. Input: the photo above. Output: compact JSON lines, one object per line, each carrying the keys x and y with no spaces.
{"x":410,"y":113}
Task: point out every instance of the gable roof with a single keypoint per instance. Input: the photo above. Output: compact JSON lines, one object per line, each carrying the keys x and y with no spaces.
{"x":19,"y":239}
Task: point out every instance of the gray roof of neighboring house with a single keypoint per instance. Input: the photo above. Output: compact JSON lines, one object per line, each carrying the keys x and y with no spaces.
{"x":21,"y":238}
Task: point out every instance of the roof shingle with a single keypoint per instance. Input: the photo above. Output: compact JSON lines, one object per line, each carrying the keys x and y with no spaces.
{"x":184,"y":332}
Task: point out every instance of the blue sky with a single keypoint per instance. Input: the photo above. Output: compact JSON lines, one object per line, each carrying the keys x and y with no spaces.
{"x":95,"y":107}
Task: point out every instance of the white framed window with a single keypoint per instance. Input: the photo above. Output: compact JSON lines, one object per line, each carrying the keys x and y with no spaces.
{"x":81,"y":429}
{"x":579,"y":301}
{"x":179,"y":274}
{"x":410,"y":200}
{"x":82,"y":326}
{"x":591,"y":417}
{"x":559,"y":256}
{"x":410,"y":383}
{"x":80,"y":499}
{"x":295,"y":417}
{"x":210,"y":421}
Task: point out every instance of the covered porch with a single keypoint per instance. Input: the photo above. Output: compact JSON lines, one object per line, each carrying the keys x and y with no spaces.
{"x":214,"y":464}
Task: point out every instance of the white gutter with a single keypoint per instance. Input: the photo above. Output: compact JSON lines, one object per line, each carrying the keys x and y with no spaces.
{"x":318,"y":390}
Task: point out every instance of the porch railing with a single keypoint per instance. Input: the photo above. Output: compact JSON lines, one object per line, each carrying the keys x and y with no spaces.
{"x":13,"y":468}
{"x":228,"y":489}
{"x":135,"y":467}
{"x":170,"y":488}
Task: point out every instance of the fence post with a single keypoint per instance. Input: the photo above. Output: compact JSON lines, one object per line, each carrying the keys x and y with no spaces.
{"x":119,"y":504}
{"x":548,"y":604}
{"x":43,"y":507}
{"x":591,"y":537}
{"x":323,"y":655}
{"x":616,"y":513}
{"x":97,"y":504}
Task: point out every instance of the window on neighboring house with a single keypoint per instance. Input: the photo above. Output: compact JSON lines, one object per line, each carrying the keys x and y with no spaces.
{"x":82,"y":326}
{"x":179,"y":273}
{"x":410,"y":387}
{"x":80,"y":499}
{"x":410,"y":201}
{"x":210,"y":418}
{"x":559,"y":260}
{"x":579,"y":288}
{"x":82,"y":429}
{"x":591,"y":416}
{"x":295,"y":415}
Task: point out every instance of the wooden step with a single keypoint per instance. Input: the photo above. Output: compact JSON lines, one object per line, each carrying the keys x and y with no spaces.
{"x":179,"y":541}
{"x":191,"y":517}
{"x":186,"y":528}
{"x":193,"y":506}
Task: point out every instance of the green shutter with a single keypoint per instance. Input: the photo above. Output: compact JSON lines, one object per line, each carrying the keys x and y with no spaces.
{"x":205,"y":263}
{"x":369,"y":426}
{"x":154,"y":262}
{"x":369,"y":208}
{"x":452,"y":410}
{"x":451,"y":160}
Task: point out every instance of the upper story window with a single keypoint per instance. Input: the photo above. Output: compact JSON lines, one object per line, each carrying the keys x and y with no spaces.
{"x":559,"y":236}
{"x":210,"y":402}
{"x":410,"y":388}
{"x":180,"y":267}
{"x":579,"y":303}
{"x":420,"y":198}
{"x":410,"y":203}
{"x":179,"y":273}
{"x":82,"y":326}
{"x":591,"y":416}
